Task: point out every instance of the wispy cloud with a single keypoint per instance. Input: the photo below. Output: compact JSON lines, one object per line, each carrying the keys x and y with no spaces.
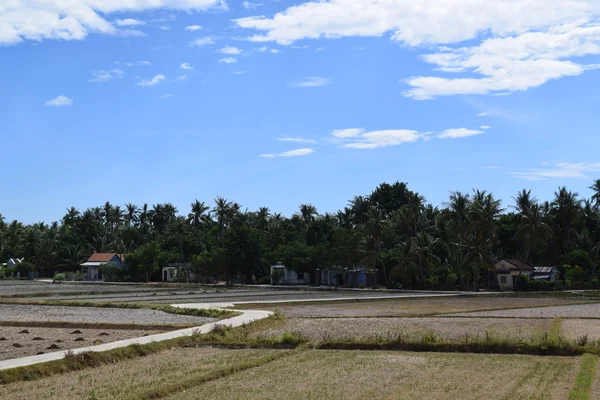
{"x":129,"y":22}
{"x":251,"y":6}
{"x":459,"y":133}
{"x":133,"y":64}
{"x":230,"y":50}
{"x":181,"y":78}
{"x":291,"y":153}
{"x":60,"y":101}
{"x":347,"y":133}
{"x":203,"y":41}
{"x":485,"y":127}
{"x":193,"y":28}
{"x":228,"y":60}
{"x":102,"y":76}
{"x":164,"y":28}
{"x":563,"y":170}
{"x":186,"y":66}
{"x":483,"y":114}
{"x":167,"y":95}
{"x":313,"y":81}
{"x":240,"y":73}
{"x":151,"y":82}
{"x":297,"y":140}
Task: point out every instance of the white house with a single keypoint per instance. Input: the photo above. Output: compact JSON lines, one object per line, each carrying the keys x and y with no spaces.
{"x":289,"y":277}
{"x":92,"y":266}
{"x":507,"y":272}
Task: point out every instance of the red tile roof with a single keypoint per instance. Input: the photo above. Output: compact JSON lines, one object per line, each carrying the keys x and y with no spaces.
{"x":105,"y":257}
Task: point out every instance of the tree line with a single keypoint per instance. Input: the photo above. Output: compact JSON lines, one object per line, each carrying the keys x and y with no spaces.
{"x":392,"y":230}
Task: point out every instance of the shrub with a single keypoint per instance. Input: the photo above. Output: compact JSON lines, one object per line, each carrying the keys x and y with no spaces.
{"x":59,"y":277}
{"x":276,"y":276}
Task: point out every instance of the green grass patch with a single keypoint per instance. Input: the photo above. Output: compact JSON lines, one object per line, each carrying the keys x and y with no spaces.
{"x":585,"y":378}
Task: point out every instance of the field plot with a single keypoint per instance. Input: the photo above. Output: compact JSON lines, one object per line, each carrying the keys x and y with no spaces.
{"x":565,"y":311}
{"x":408,"y":306}
{"x":137,"y":378}
{"x":395,"y":375}
{"x":24,"y":288}
{"x":317,"y":329}
{"x":18,"y":342}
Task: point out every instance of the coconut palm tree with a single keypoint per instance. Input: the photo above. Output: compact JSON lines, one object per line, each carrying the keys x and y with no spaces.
{"x":565,"y":209}
{"x":131,"y":214}
{"x":199,"y":214}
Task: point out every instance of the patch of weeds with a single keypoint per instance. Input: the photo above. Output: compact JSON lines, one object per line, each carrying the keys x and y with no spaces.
{"x":585,"y":377}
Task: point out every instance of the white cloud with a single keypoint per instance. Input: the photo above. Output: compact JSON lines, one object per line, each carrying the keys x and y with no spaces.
{"x":274,"y":51}
{"x":193,"y":28}
{"x":181,"y":78}
{"x":129,"y":22}
{"x":230,"y":50}
{"x":517,"y":44}
{"x":385,"y":138}
{"x":483,"y":114}
{"x":203,"y":41}
{"x":250,"y":6}
{"x":314,"y":81}
{"x":186,"y":66}
{"x":240,"y":73}
{"x":164,"y":28}
{"x":458,"y":133}
{"x":135,"y":64}
{"x":228,"y":60}
{"x":320,"y":49}
{"x":292,"y":153}
{"x":167,"y":95}
{"x":297,"y":140}
{"x":560,"y":170}
{"x":360,"y":138}
{"x":413,"y":23}
{"x":102,"y":76}
{"x":347,"y":133}
{"x":144,"y":63}
{"x":154,"y":81}
{"x":60,"y":101}
{"x":509,"y":64}
{"x":72,"y":20}
{"x":484,"y":127}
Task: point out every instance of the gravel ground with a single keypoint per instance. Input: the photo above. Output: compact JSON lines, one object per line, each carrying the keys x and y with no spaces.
{"x":9,"y":288}
{"x":14,"y":344}
{"x":400,"y":307}
{"x":14,"y":312}
{"x":576,"y":328}
{"x":449,"y":328}
{"x":572,"y":311}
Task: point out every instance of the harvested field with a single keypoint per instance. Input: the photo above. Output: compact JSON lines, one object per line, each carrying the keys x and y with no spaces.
{"x":396,"y":375}
{"x":15,"y":312}
{"x":132,"y":379}
{"x":14,"y":344}
{"x":408,"y":306}
{"x":318,"y":329}
{"x":575,"y":328}
{"x":565,"y":311}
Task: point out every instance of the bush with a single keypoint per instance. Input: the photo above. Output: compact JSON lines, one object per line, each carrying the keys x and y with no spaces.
{"x":112,"y":273}
{"x":522,"y":283}
{"x":59,"y":277}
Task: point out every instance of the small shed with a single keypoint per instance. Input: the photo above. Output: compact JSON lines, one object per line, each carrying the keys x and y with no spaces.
{"x":545,"y":274}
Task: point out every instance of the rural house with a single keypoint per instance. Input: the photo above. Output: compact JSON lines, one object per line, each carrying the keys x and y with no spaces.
{"x":507,"y":272}
{"x":288,"y":276}
{"x":545,"y":274}
{"x":92,"y":266}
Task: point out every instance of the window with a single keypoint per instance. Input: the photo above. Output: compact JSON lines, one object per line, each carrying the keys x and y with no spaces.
{"x":503,"y":280}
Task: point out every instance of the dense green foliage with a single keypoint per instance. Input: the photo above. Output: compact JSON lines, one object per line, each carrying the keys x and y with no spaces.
{"x":393,"y":230}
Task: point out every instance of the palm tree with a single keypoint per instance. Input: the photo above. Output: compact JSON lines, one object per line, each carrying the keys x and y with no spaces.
{"x":308,"y":213}
{"x":262,"y":217}
{"x":374,"y":227}
{"x":71,"y":216}
{"x":199,"y":214}
{"x":565,"y":208}
{"x":131,"y":214}
{"x":223,"y":212}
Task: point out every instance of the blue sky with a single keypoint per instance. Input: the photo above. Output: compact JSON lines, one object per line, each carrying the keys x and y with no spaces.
{"x":277,"y":103}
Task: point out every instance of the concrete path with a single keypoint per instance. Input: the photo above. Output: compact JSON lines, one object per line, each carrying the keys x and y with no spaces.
{"x":246,"y":317}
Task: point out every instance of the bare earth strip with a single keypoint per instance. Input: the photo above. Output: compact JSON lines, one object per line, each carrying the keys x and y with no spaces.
{"x":133,"y":378}
{"x":15,"y":312}
{"x":575,"y":328}
{"x":399,"y":307}
{"x":565,"y":311}
{"x":448,"y":328}
{"x":15,"y":343}
{"x":395,"y":375}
